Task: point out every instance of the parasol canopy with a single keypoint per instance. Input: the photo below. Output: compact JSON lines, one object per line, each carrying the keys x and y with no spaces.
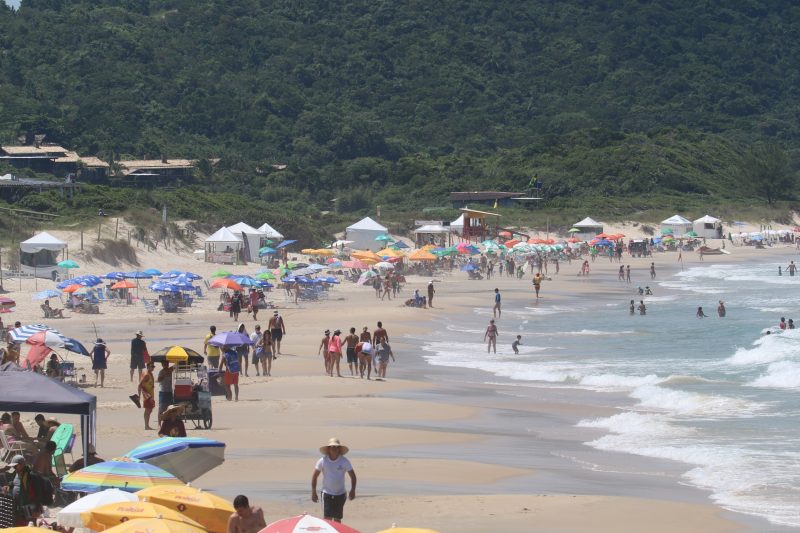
{"x":225,"y":283}
{"x":177,"y":354}
{"x":112,"y":514}
{"x":70,"y":516}
{"x":203,"y":507}
{"x":124,"y":284}
{"x":187,"y":458}
{"x":229,"y":338}
{"x":68,"y":264}
{"x":122,"y":473}
{"x":304,"y":523}
{"x":154,"y":525}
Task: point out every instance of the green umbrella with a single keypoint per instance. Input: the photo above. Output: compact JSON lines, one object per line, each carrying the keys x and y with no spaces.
{"x":666,"y":231}
{"x":265,"y":275}
{"x":691,"y":234}
{"x":221,"y":273}
{"x":68,"y":263}
{"x":384,"y":238}
{"x":573,"y":230}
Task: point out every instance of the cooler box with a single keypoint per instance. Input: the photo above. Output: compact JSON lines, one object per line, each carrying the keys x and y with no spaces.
{"x":183,"y":389}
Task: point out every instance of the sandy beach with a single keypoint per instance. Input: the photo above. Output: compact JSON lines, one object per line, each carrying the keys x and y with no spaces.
{"x":433,"y":447}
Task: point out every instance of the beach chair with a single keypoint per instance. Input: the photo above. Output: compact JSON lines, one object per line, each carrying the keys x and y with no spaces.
{"x":10,"y":449}
{"x":66,"y":371}
{"x":64,"y":437}
{"x":150,"y":307}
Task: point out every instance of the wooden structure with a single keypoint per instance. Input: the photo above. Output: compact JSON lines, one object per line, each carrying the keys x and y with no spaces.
{"x":54,"y":159}
{"x":476,"y":225}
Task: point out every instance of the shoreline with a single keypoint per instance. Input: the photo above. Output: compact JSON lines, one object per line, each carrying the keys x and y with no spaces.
{"x":433,"y":446}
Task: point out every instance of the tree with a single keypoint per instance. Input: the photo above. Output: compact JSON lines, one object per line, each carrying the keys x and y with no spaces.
{"x":765,"y":169}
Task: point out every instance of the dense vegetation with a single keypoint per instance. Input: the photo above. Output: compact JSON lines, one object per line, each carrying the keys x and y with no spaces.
{"x":638,"y":103}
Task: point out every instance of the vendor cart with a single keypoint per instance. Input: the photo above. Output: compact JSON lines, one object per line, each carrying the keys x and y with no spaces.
{"x":191,"y":388}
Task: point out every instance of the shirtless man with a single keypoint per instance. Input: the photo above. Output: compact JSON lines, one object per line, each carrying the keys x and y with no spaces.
{"x":350,"y":341}
{"x":278,"y":330}
{"x":323,"y":348}
{"x":246,"y":519}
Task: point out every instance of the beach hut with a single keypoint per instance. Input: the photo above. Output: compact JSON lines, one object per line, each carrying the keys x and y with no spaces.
{"x":678,"y":224}
{"x":588,"y":229}
{"x":271,"y":232}
{"x":39,"y":255}
{"x":432,"y":234}
{"x":252,"y":238}
{"x":362,"y":235}
{"x":708,"y":227}
{"x":224,"y":246}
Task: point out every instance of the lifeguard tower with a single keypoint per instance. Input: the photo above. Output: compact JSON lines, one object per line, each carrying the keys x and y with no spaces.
{"x":476,"y":225}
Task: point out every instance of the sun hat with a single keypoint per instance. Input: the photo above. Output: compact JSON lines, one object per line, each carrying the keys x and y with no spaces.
{"x":327,"y":332}
{"x":275,"y":313}
{"x":139,"y":333}
{"x":17,"y":459}
{"x":333,"y":441}
{"x":337,"y":332}
{"x":99,"y":342}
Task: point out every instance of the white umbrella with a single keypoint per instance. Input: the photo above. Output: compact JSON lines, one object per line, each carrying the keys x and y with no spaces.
{"x":70,"y":516}
{"x":384,"y":266}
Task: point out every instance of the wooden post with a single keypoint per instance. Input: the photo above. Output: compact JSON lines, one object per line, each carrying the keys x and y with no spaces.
{"x":99,"y":226}
{"x":116,"y":230}
{"x":81,"y":239}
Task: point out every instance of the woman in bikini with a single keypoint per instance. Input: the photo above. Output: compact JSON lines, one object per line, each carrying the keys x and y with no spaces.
{"x":491,"y":335}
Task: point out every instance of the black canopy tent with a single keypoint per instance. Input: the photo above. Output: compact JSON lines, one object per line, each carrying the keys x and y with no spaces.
{"x":33,"y":393}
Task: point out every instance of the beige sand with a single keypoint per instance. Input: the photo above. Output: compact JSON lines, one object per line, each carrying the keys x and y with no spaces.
{"x":272,"y":434}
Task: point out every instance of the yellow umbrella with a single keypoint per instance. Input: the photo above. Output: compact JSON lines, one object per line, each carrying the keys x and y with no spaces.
{"x":154,"y":525}
{"x":390,"y":252}
{"x":27,"y":529}
{"x":422,"y":255}
{"x":113,"y":514}
{"x":366,"y":254}
{"x":308,"y":251}
{"x":324,"y":251}
{"x":203,"y":507}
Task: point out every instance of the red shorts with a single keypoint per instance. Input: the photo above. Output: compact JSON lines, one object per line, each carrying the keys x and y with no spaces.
{"x":149,"y":403}
{"x":231,"y":378}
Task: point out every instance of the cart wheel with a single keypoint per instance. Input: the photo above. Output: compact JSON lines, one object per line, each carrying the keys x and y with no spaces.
{"x":207,"y":419}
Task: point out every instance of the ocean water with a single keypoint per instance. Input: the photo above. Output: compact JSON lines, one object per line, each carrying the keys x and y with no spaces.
{"x":717,"y":394}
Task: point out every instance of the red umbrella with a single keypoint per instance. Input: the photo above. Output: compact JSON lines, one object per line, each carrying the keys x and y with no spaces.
{"x":512,"y":242}
{"x":305,"y":523}
{"x":225,"y":283}
{"x":72,"y":288}
{"x":505,"y":234}
{"x":41,"y":343}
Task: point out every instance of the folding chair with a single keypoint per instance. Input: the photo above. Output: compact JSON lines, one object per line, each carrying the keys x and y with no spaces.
{"x":10,"y":449}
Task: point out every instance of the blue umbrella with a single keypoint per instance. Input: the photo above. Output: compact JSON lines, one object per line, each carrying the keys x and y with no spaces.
{"x":192,"y":276}
{"x":603,"y":242}
{"x":328,"y":279}
{"x":229,"y":338}
{"x":469,"y":267}
{"x":164,"y":288}
{"x":115,"y":275}
{"x":285,"y":243}
{"x":152,"y":271}
{"x":318,"y":267}
{"x":399,"y":245}
{"x":266,"y":250}
{"x":44,"y":295}
{"x":187,"y":458}
{"x":88,"y":280}
{"x":170,"y":274}
{"x":244,"y":281}
{"x":137,"y":274}
{"x":264,"y":284}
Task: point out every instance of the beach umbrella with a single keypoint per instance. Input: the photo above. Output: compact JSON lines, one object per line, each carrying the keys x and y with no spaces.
{"x":504,"y":234}
{"x":317,"y":267}
{"x":220,"y":273}
{"x":163,"y":287}
{"x":329,"y":279}
{"x":265,"y":275}
{"x":355,"y":264}
{"x":137,"y":274}
{"x":244,"y":281}
{"x":152,"y":271}
{"x":573,"y":230}
{"x":175,"y":354}
{"x":113,"y":275}
{"x":399,"y":244}
{"x":44,"y":295}
{"x":122,"y":473}
{"x":324,"y":251}
{"x":666,"y":231}
{"x":384,"y":266}
{"x":70,"y":516}
{"x":604,"y":242}
{"x":306,"y":522}
{"x":421,"y":255}
{"x":389,"y":252}
{"x":112,"y":514}
{"x":691,"y":234}
{"x":384,"y":238}
{"x":155,"y":525}
{"x":192,"y":276}
{"x":68,"y":264}
{"x":229,"y":338}
{"x":469,"y":267}
{"x":203,"y":507}
{"x":124,"y":284}
{"x":285,"y":243}
{"x":511,"y":242}
{"x":187,"y":458}
{"x":266,"y":250}
{"x":225,"y":283}
{"x":308,"y":251}
{"x":170,"y":274}
{"x":46,"y":338}
{"x":7,"y":303}
{"x":72,"y":288}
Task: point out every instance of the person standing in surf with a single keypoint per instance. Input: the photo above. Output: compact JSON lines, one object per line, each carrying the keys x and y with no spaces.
{"x":491,"y":335}
{"x":496,"y":309}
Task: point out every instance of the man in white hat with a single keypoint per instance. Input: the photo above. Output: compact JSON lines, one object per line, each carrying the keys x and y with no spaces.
{"x":333,"y":464}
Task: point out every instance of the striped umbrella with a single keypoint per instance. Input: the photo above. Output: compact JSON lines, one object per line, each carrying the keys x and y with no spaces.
{"x":122,"y":473}
{"x":306,"y":522}
{"x":187,"y":458}
{"x":23,"y":333}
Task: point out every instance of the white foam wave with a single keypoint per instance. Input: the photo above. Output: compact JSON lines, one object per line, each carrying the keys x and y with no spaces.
{"x":617,"y":382}
{"x":779,"y":375}
{"x":768,"y":349}
{"x":582,"y":332}
{"x":692,"y":404}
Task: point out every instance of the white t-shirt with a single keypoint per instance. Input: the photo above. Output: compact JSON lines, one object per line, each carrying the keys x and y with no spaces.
{"x":333,"y":474}
{"x":366,"y":347}
{"x":255,"y":337}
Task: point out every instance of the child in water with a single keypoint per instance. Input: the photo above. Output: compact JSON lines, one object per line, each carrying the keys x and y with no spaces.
{"x":516,"y":343}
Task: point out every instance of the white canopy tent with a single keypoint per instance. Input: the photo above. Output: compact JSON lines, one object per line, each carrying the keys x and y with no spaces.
{"x":39,"y":255}
{"x":708,"y":227}
{"x":251,"y":237}
{"x":588,"y":229}
{"x":457,"y":226}
{"x":363,"y":234}
{"x":223,"y":246}
{"x":271,"y":232}
{"x":431,"y":234}
{"x":678,"y":224}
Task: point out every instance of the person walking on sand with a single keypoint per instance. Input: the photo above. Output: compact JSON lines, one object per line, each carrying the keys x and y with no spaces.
{"x":537,"y":283}
{"x":230,"y":363}
{"x":383,"y":352}
{"x":236,"y":306}
{"x":491,"y":334}
{"x":335,"y":352}
{"x":721,"y":311}
{"x":431,"y":292}
{"x":254,"y":303}
{"x":700,"y":313}
{"x":323,"y":348}
{"x":243,"y":349}
{"x":365,"y":354}
{"x":652,"y":271}
{"x":146,"y":393}
{"x":628,"y":273}
{"x":100,"y":355}
{"x":621,"y":273}
{"x":496,"y":309}
{"x":278,"y":330}
{"x":245,"y":518}
{"x":209,"y":350}
{"x":379,"y":334}
{"x":350,"y":342}
{"x":269,"y":353}
{"x":332,"y":465}
{"x":138,"y":349}
{"x":258,"y":348}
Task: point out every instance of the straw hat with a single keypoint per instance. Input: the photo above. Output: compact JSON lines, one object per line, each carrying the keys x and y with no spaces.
{"x":333,"y":441}
{"x":176,"y":408}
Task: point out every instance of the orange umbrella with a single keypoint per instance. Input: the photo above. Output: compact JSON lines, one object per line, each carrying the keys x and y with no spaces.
{"x":124,"y":284}
{"x":421,"y":255}
{"x":225,"y":283}
{"x":512,"y":242}
{"x":367,"y":256}
{"x":72,"y":288}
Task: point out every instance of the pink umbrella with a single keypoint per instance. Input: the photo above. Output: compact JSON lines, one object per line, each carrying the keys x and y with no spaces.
{"x":7,"y":302}
{"x":41,"y":346}
{"x":304,"y":523}
{"x":355,"y":264}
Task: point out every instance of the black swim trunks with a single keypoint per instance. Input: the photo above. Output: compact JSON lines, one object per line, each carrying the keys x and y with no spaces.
{"x":351,"y":355}
{"x":277,"y":334}
{"x":333,"y":506}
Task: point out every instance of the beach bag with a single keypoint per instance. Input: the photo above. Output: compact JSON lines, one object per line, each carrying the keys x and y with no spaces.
{"x":6,"y":511}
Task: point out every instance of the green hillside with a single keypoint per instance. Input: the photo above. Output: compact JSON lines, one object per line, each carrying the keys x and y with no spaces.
{"x":643,"y":104}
